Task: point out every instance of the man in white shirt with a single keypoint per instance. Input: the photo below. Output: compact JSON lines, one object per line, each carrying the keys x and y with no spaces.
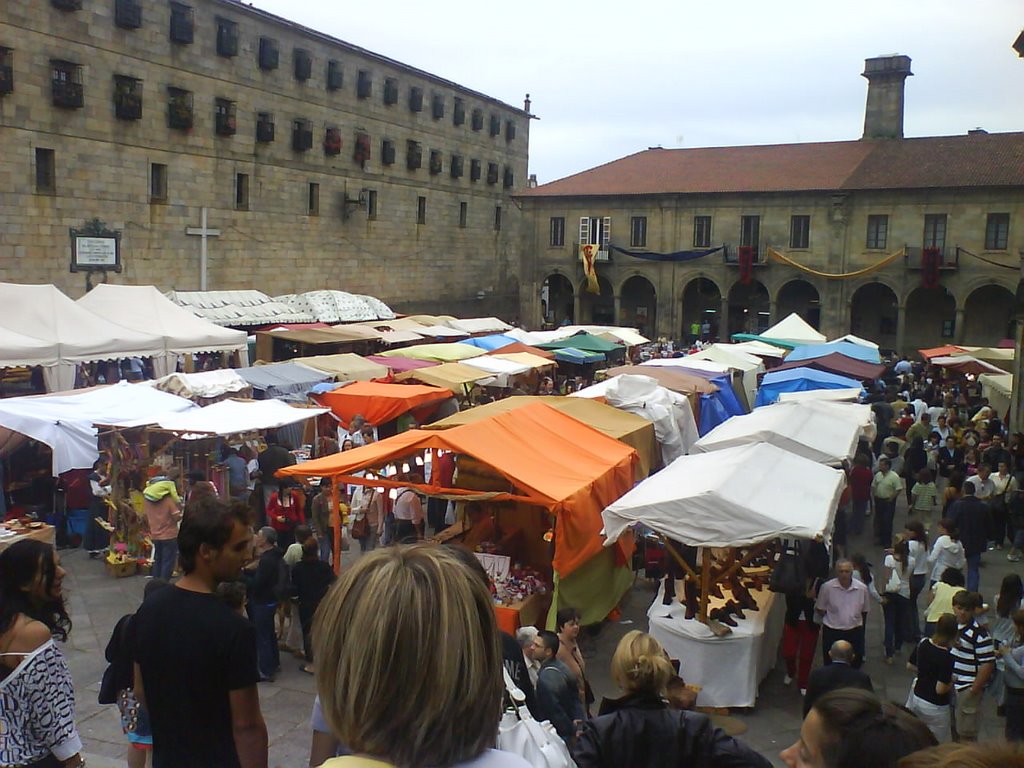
{"x":525,"y":636}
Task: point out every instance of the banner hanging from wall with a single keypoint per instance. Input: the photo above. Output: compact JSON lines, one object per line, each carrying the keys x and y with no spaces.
{"x":588,"y":255}
{"x":674,"y":256}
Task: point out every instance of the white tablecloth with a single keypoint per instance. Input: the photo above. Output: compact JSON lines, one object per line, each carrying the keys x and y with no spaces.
{"x":728,"y":669}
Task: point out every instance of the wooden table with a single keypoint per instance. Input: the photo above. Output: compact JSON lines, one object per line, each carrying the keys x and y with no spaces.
{"x":531,"y":611}
{"x":46,"y":534}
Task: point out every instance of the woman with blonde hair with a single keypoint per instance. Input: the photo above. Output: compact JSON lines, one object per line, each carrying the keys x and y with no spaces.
{"x":409,"y":667}
{"x":643,"y":730}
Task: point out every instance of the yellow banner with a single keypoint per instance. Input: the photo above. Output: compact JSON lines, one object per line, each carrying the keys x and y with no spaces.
{"x":832,"y":275}
{"x":588,"y":255}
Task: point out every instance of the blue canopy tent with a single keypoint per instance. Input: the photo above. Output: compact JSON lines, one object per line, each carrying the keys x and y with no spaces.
{"x":856,"y":351}
{"x":716,"y":407}
{"x":799,"y":380}
{"x":490,"y":343}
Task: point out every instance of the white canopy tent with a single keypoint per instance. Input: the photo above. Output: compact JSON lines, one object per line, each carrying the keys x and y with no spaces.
{"x":228,"y":417}
{"x":759,"y":349}
{"x":204,"y":384}
{"x":65,"y":422}
{"x":143,"y":306}
{"x":501,"y":369}
{"x":17,"y":349}
{"x":733,"y":498}
{"x":80,"y":336}
{"x":475,"y":325}
{"x":808,"y":432}
{"x":671,"y":413}
{"x":997,"y":388}
{"x":827,"y":395}
{"x":795,"y":330}
{"x":857,"y":340}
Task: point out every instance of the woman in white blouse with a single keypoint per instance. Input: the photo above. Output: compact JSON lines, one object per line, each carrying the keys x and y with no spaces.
{"x":899,"y":566}
{"x":37,"y":697}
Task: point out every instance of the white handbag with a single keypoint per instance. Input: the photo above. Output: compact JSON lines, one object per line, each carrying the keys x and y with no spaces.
{"x":536,"y":742}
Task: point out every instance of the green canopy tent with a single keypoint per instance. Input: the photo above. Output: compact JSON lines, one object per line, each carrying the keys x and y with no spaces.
{"x":586,"y":342}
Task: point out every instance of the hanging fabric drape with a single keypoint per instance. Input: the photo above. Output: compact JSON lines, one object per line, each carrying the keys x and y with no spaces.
{"x":930,"y":262}
{"x":988,"y":261}
{"x":746,"y":259}
{"x":832,"y":275}
{"x":674,"y":256}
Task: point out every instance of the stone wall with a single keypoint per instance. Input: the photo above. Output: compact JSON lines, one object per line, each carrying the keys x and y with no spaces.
{"x":103,"y":165}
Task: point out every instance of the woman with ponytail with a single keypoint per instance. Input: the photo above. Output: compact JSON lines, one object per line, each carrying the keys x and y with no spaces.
{"x":641,"y":729}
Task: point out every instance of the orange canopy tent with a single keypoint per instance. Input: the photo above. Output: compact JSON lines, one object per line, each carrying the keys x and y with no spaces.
{"x":943,"y":351}
{"x":518,"y":346}
{"x":379,"y":403}
{"x":549,"y":459}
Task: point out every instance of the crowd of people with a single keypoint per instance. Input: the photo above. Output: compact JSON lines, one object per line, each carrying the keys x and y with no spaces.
{"x":416,"y":679}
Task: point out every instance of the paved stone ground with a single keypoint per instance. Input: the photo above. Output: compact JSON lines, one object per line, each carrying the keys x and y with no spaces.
{"x":97,"y":601}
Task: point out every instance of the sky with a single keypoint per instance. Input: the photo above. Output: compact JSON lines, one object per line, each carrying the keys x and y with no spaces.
{"x":607,"y":80}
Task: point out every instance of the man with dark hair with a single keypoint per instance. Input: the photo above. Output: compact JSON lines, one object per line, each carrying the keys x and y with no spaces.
{"x":852,"y":728}
{"x":974,"y":663}
{"x":272,"y":458}
{"x":838,"y":674}
{"x":557,"y":692}
{"x":972,"y":519}
{"x":265,"y":578}
{"x":195,"y":658}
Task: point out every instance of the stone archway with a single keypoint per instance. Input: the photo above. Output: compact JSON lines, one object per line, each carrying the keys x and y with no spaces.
{"x":638,"y":305}
{"x":597,"y":309}
{"x":557,"y":300}
{"x":702,"y":305}
{"x":801,"y":297}
{"x":930,"y":320}
{"x":988,"y":316}
{"x":749,"y":308}
{"x":874,"y":314}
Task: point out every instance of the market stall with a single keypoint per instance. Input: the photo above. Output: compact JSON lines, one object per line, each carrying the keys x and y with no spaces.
{"x":65,"y":422}
{"x":440,"y":353}
{"x":205,"y":387}
{"x":799,"y":379}
{"x":172,"y":446}
{"x":847,"y":348}
{"x":282,"y":381}
{"x":635,"y":431}
{"x":817,"y":434}
{"x":79,"y":336}
{"x":966,"y":365}
{"x":839,"y":364}
{"x":143,"y":307}
{"x":458,"y":377}
{"x":517,"y":347}
{"x":719,"y":515}
{"x":280,"y":344}
{"x":380,"y":403}
{"x":517,"y":470}
{"x":345,"y":367}
{"x":12,"y":531}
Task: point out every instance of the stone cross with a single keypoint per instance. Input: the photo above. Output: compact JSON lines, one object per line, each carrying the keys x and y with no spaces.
{"x":203,"y":232}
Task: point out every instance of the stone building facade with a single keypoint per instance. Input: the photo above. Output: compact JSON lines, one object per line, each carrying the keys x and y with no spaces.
{"x":321,"y":164}
{"x":834,"y":208}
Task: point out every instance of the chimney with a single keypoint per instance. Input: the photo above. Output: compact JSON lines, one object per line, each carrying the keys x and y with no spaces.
{"x":883,"y":116}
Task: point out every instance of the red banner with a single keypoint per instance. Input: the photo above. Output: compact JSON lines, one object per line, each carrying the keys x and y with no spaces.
{"x":931,"y":260}
{"x":746,"y":260}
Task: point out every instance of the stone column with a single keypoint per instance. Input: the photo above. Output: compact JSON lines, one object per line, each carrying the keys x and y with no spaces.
{"x":618,"y":310}
{"x":958,"y":328}
{"x":723,"y":321}
{"x":576,"y":307}
{"x":901,"y":327}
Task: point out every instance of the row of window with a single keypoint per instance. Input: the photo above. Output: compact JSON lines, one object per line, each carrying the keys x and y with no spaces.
{"x":597,"y":230}
{"x":128,"y":15}
{"x":46,"y":183}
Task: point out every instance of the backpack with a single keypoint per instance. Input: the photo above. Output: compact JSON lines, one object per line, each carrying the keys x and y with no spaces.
{"x":283,"y":587}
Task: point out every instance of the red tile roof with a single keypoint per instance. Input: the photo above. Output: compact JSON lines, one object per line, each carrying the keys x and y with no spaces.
{"x":975,"y":160}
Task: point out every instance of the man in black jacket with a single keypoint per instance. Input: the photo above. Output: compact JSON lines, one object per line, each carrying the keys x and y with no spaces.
{"x":972,"y":518}
{"x":838,"y":674}
{"x":557,"y":691}
{"x":264,"y":579}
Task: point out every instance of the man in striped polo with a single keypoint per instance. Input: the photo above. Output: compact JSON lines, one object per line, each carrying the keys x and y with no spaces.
{"x":974,"y":663}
